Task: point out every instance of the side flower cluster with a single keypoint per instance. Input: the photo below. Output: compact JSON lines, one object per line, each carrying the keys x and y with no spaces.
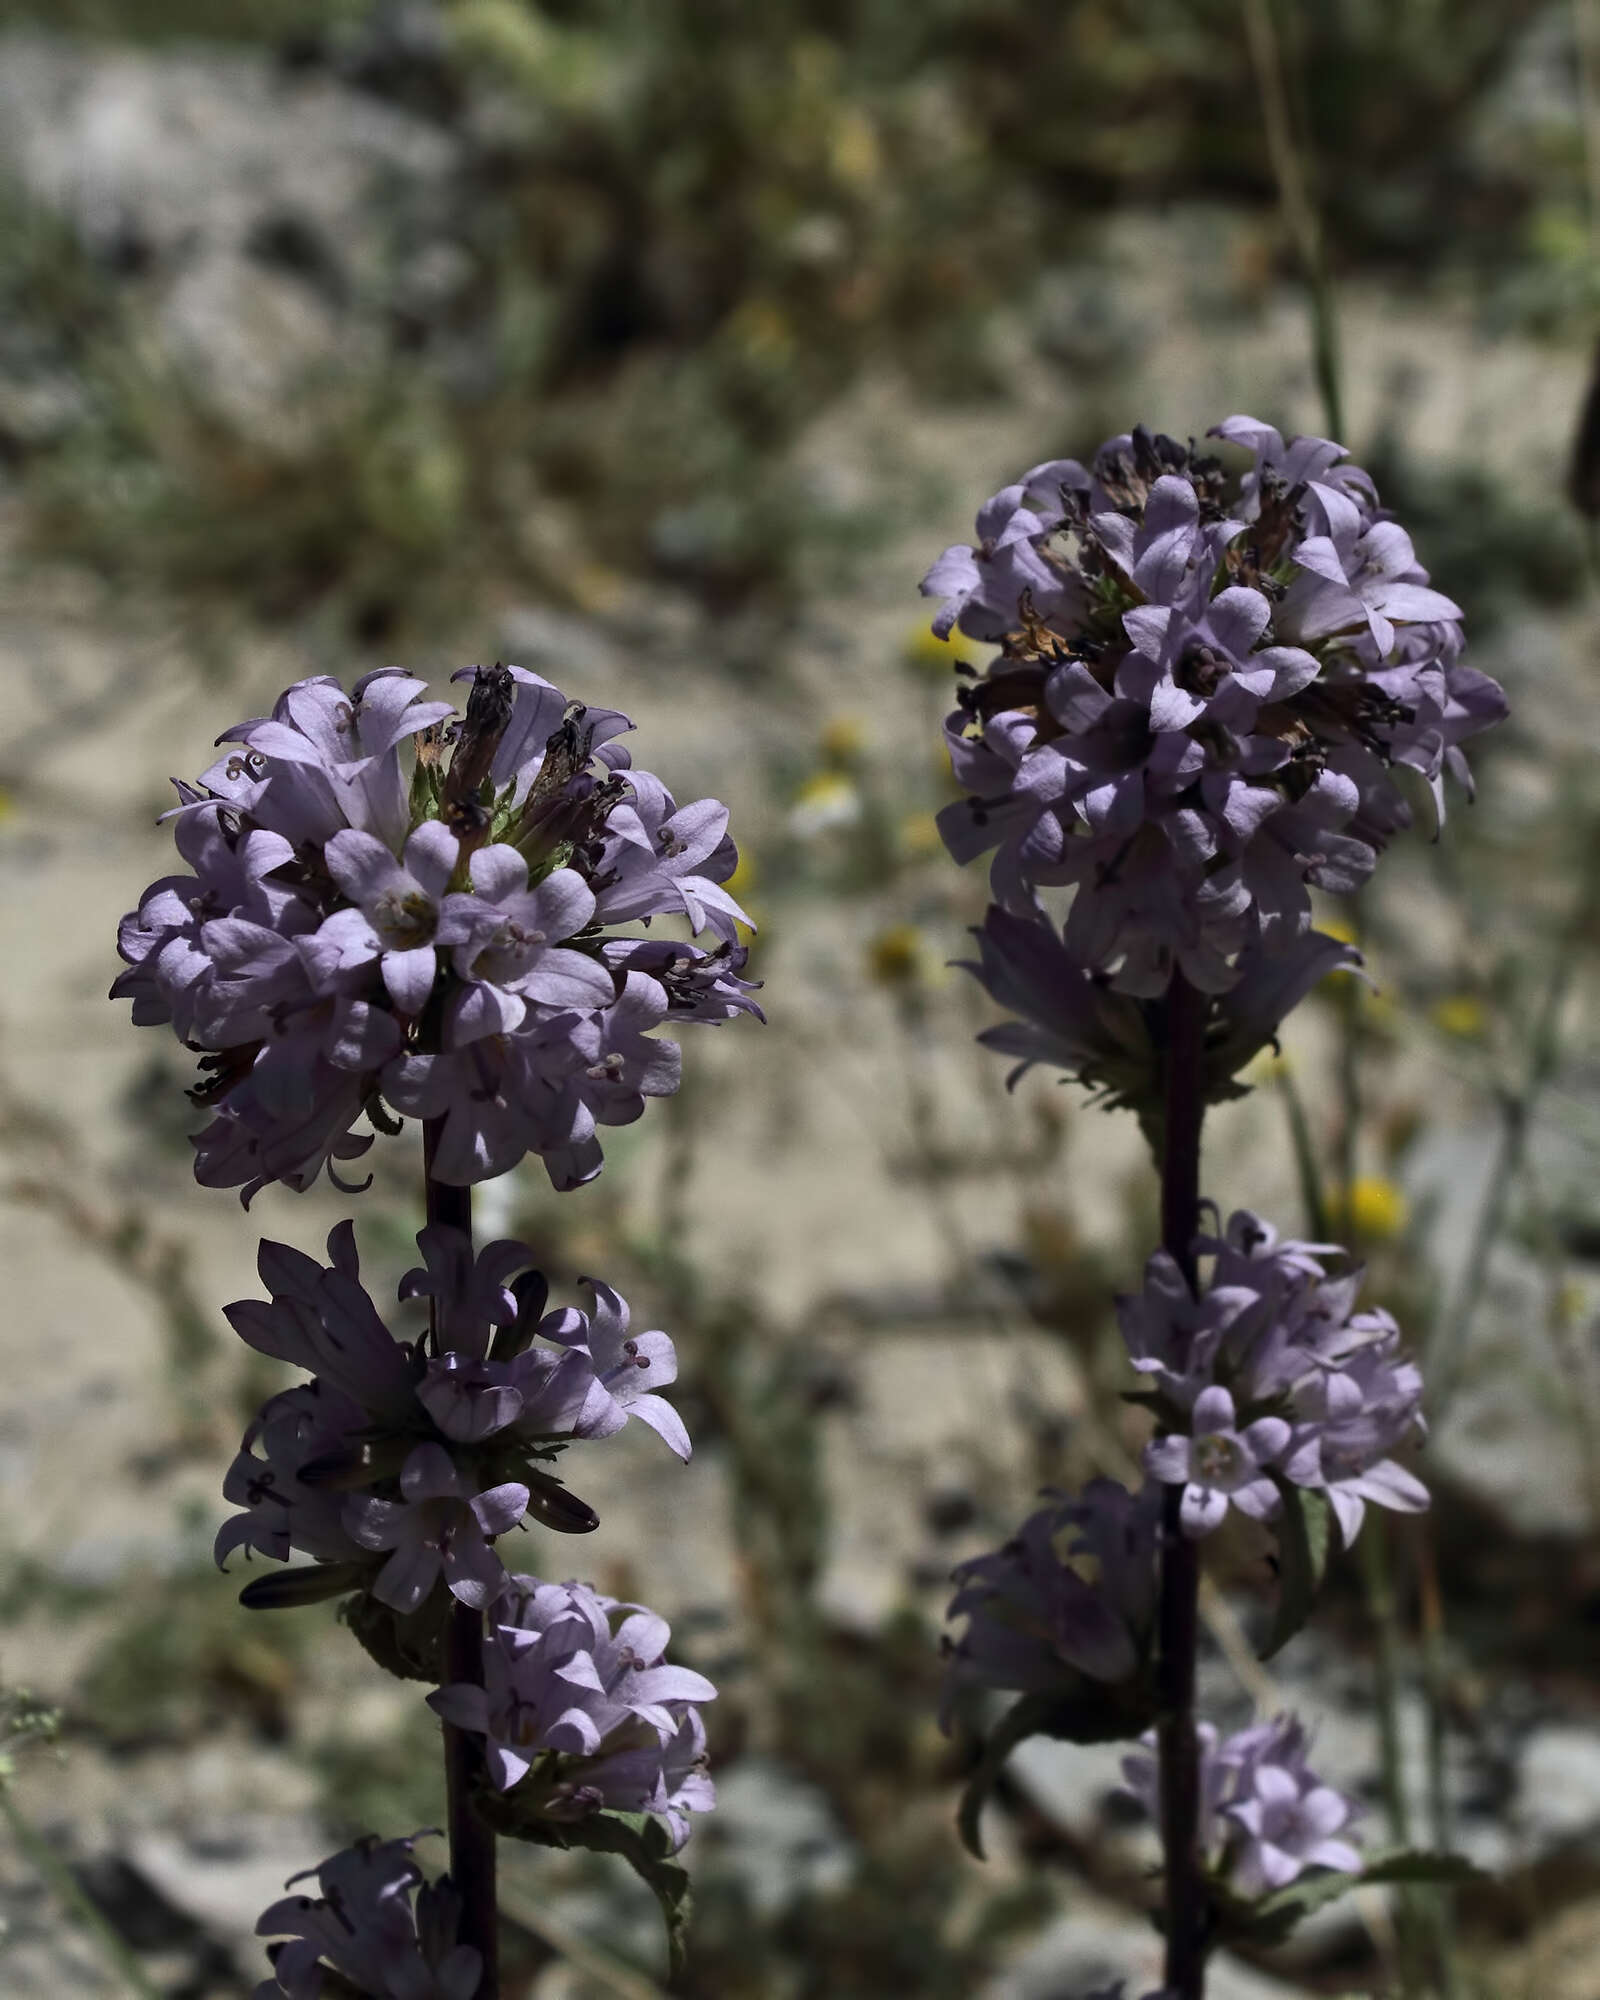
{"x":580,"y":1710}
{"x":1199,"y":700}
{"x":1265,"y":1817}
{"x":375,"y":1923}
{"x":1272,"y":1374}
{"x":437,"y":942}
{"x":1077,"y":1021}
{"x":400,"y":1464}
{"x":1073,"y":1591}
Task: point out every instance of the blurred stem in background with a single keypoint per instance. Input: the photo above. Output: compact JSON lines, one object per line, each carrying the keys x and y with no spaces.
{"x":1291,"y":167}
{"x":1448,"y":1339}
{"x":75,"y":1898}
{"x":24,"y":1723}
{"x":1586,"y":34}
{"x":1419,"y":1912}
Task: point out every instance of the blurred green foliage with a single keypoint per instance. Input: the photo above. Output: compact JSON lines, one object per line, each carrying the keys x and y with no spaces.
{"x":672,"y":234}
{"x":675,"y":232}
{"x":185,"y":1659}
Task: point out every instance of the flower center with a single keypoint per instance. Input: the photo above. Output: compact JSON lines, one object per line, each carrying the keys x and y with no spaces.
{"x":512,"y":937}
{"x":403,"y":918}
{"x":1216,"y":1458}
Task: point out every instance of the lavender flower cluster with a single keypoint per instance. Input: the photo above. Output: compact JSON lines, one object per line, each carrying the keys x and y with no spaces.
{"x":579,"y":1711}
{"x":1198,"y":702}
{"x":1201,"y":697}
{"x":398,"y":1466}
{"x":1265,"y":1817}
{"x":1270,"y":1371}
{"x":355,"y":940}
{"x":443,"y":942}
{"x":377,"y":1925}
{"x":1073,"y":1592}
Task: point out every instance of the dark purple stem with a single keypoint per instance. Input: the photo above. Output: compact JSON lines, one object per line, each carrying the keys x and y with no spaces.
{"x":472,"y":1858}
{"x":1179,"y":1615}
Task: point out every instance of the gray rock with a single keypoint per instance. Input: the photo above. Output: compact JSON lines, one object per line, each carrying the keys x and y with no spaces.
{"x":1558,"y":1785}
{"x":776,"y":1835}
{"x":1084,"y":1951}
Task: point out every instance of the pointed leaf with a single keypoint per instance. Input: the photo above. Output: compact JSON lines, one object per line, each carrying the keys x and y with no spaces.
{"x":1415,"y":1865}
{"x":288,"y":1589}
{"x":411,"y":1647}
{"x":1268,"y":1920}
{"x":639,"y":1838}
{"x":1091,"y":1712}
{"x":1304,"y":1528}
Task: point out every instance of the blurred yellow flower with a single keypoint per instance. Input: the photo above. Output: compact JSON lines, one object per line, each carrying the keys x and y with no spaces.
{"x":843,"y":739}
{"x":1338,"y":927}
{"x":762,"y":331}
{"x":744,"y":876}
{"x":895,"y":957}
{"x":826,"y":800}
{"x":925,"y":651}
{"x":1374,"y":1209}
{"x":596,"y":586}
{"x":1459,"y":1014}
{"x":853,"y":148}
{"x":917,"y":836}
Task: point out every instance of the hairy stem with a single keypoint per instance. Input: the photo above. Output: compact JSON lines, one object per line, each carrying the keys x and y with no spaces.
{"x":1178,"y":1617}
{"x":472,"y":1856}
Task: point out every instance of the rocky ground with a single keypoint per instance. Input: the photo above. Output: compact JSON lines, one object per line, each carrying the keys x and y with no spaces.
{"x":795,"y":1172}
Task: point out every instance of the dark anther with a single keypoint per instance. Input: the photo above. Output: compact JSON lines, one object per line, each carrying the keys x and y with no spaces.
{"x":489,"y":708}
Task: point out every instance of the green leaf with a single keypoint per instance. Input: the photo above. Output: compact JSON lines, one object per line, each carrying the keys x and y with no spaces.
{"x":1412,"y":1864}
{"x":412,"y":1648}
{"x":1091,"y":1713}
{"x":641,"y":1840}
{"x":1304,"y":1528}
{"x":1268,"y":1920}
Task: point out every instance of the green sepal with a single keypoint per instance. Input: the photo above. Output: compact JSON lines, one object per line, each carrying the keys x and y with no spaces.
{"x":311,"y":1583}
{"x":427,"y":778}
{"x":1093,"y":1712}
{"x":1305,"y":1529}
{"x":358,"y":1465}
{"x":640,"y":1839}
{"x":412,"y":1647}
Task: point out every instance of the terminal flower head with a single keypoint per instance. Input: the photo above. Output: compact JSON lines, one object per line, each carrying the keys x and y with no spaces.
{"x":1201,"y":691}
{"x":394,"y":910}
